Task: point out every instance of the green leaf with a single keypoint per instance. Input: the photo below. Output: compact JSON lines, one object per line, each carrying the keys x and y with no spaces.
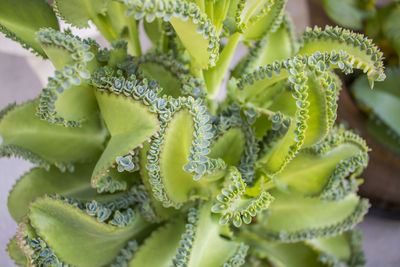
{"x":383,"y":102}
{"x":347,"y":13}
{"x":38,"y":182}
{"x":79,"y":12}
{"x":282,"y":254}
{"x":16,"y":253}
{"x":55,"y":144}
{"x":170,"y":233}
{"x":229,"y":147}
{"x":74,"y":61}
{"x":278,"y":45}
{"x":162,"y":213}
{"x":179,"y":184}
{"x":63,"y":226}
{"x":293,"y":218}
{"x":202,"y":245}
{"x":361,"y":52}
{"x":173,"y":78}
{"x":196,"y":31}
{"x":345,"y":248}
{"x":234,"y":205}
{"x":316,"y":170}
{"x":129,"y":122}
{"x":391,"y":28}
{"x":265,"y":19}
{"x":383,"y":134}
{"x":21,"y":19}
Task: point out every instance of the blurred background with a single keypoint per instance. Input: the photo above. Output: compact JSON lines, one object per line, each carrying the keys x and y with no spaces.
{"x":23,"y":75}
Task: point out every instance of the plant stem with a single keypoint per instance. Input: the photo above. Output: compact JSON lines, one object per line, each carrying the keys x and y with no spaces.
{"x":213,"y":77}
{"x":133,"y":41}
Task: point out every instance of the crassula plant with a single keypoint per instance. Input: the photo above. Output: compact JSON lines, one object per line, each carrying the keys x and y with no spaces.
{"x":138,"y":164}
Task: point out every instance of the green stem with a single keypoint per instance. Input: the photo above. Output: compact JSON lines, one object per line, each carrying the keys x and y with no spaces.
{"x":213,"y":77}
{"x":134,"y":45}
{"x":105,"y":28}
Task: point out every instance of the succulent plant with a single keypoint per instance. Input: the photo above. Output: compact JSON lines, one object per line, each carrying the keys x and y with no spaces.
{"x":139,"y":164}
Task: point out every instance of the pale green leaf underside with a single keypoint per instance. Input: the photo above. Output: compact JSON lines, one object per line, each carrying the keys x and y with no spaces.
{"x":278,"y":45}
{"x":21,"y":19}
{"x":54,"y":143}
{"x":63,"y":227}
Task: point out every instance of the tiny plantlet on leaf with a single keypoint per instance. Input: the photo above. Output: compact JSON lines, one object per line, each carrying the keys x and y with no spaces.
{"x":138,"y":164}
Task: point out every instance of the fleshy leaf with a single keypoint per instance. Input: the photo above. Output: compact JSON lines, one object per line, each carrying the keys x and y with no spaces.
{"x":229,"y":147}
{"x":278,"y":45}
{"x":382,"y":104}
{"x":361,"y":52}
{"x":69,"y":87}
{"x":21,"y":19}
{"x":348,"y":13}
{"x":345,"y":248}
{"x":296,"y":254}
{"x":130,"y":123}
{"x":28,"y":135}
{"x":322,"y":169}
{"x":79,"y":12}
{"x":63,"y":226}
{"x":201,"y":244}
{"x":173,"y":78}
{"x":194,"y":29}
{"x":38,"y":182}
{"x":15,"y":253}
{"x":164,"y":241}
{"x":233,"y":204}
{"x":293,"y":218}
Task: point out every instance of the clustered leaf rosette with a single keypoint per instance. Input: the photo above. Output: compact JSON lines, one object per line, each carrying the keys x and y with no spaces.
{"x":134,"y":155}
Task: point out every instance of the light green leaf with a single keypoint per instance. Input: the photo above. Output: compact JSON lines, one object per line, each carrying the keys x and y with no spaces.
{"x":312,"y":171}
{"x":16,"y":253}
{"x":21,"y":19}
{"x":162,"y":241}
{"x":38,"y":182}
{"x":347,"y":13}
{"x":79,"y":12}
{"x":129,"y":122}
{"x":197,"y":33}
{"x":55,"y":144}
{"x":293,"y":218}
{"x":63,"y":226}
